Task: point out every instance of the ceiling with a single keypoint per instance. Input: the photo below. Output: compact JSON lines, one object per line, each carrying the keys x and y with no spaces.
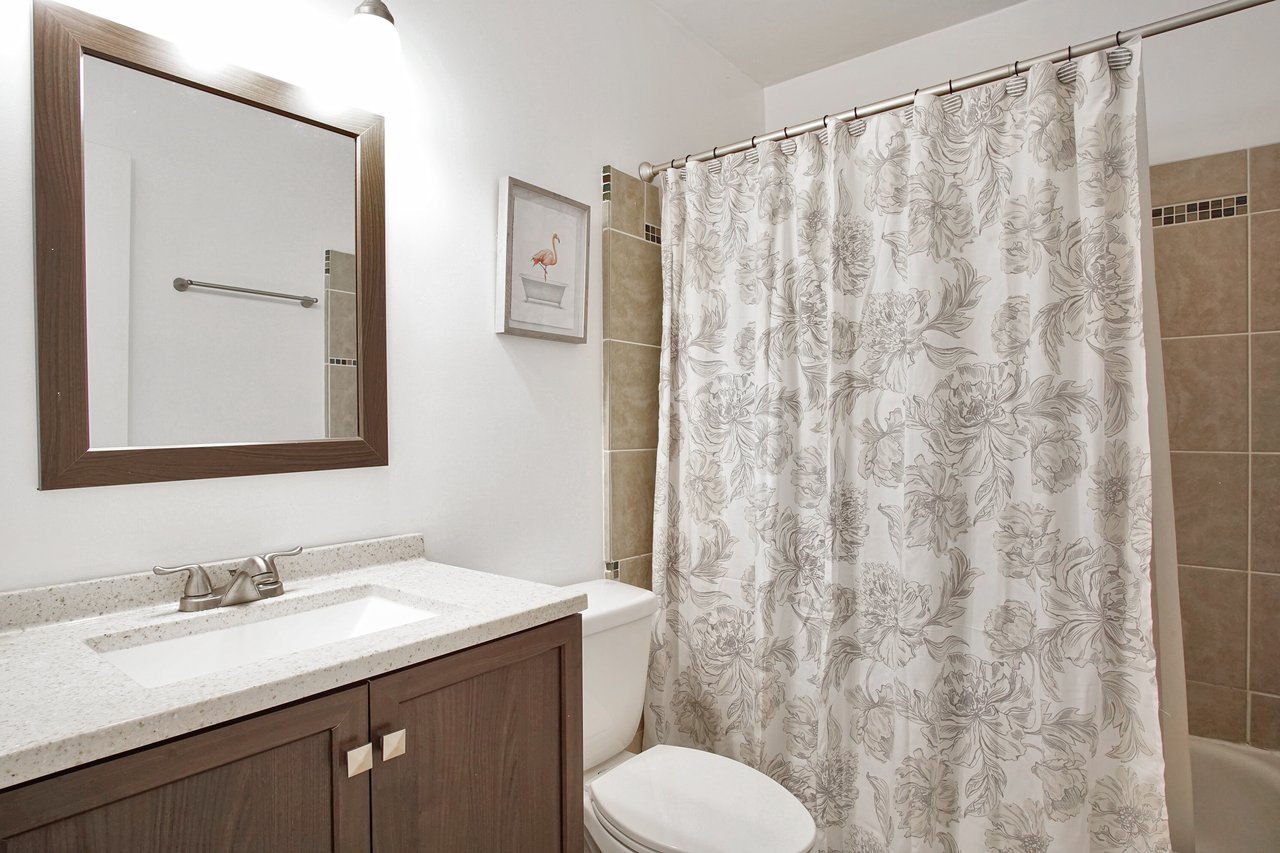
{"x":775,"y":40}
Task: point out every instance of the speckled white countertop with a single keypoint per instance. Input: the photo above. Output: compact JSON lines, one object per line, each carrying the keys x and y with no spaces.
{"x":63,"y":704}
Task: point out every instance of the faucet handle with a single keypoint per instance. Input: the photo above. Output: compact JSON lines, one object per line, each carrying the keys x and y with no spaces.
{"x":197,"y":579}
{"x":270,"y":559}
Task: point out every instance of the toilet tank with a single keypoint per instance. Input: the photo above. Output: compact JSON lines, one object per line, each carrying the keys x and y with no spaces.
{"x":615,"y":660}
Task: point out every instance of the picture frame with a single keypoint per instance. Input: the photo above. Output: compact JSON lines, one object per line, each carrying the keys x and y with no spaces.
{"x":544,"y":250}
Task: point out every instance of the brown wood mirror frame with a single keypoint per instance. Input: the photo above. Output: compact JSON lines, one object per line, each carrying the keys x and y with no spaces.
{"x":62,"y":36}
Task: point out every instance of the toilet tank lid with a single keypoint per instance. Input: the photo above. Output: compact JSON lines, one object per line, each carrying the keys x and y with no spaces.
{"x":612,"y":603}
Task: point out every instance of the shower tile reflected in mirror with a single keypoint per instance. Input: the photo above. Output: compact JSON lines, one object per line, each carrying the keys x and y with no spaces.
{"x":342,"y":399}
{"x":1217,"y":246}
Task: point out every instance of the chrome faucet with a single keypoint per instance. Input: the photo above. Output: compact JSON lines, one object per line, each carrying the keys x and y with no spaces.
{"x":257,"y":578}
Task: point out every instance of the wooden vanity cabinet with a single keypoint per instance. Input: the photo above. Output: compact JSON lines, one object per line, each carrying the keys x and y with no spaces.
{"x":492,"y":762}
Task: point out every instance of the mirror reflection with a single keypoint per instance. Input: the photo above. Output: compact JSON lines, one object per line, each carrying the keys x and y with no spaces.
{"x":192,"y":199}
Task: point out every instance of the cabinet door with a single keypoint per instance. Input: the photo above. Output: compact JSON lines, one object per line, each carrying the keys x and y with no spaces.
{"x":273,"y":782}
{"x":493,"y":748}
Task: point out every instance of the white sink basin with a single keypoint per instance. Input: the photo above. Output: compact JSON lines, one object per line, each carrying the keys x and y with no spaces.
{"x":167,"y":661}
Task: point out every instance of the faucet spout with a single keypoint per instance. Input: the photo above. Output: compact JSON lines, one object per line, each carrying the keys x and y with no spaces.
{"x":257,"y":578}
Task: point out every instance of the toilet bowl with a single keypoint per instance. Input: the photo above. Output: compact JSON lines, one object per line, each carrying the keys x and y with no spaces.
{"x":667,"y":799}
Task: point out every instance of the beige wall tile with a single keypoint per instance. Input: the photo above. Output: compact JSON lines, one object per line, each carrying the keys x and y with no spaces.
{"x":1264,"y":271}
{"x":631,"y":395}
{"x":1215,"y":607}
{"x":1216,"y":712}
{"x":1202,"y":277}
{"x":1207,"y":382}
{"x":653,"y":203}
{"x":637,"y":571}
{"x":626,"y":203}
{"x":342,"y":271}
{"x":1264,"y":633}
{"x":1211,"y":508}
{"x":632,"y":289}
{"x":340,"y":317}
{"x":1264,"y":178}
{"x":344,"y":411}
{"x":1264,"y":721}
{"x":631,"y":479}
{"x":1265,"y":390}
{"x":1198,"y":178}
{"x":1264,"y":555}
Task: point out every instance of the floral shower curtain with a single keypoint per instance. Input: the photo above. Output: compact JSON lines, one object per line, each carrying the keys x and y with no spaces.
{"x":903,"y":521}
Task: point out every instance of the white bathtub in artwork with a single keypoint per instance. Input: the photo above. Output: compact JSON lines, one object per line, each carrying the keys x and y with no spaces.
{"x":1236,"y":790}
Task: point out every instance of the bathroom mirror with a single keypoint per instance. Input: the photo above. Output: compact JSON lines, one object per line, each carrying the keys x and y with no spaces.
{"x":210,"y":266}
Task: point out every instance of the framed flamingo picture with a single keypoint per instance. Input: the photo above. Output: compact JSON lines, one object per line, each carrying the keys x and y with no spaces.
{"x":542,"y":287}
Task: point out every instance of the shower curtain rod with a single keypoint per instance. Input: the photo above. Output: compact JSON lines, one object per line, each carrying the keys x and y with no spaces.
{"x":648,"y":171}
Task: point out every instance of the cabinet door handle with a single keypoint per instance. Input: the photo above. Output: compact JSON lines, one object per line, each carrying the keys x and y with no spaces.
{"x":393,"y":745}
{"x":359,"y":760}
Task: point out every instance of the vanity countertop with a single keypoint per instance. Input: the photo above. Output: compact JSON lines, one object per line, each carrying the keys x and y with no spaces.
{"x":65,"y":704}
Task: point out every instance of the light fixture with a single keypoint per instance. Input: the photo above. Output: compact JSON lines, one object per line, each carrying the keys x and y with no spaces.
{"x":374,"y":28}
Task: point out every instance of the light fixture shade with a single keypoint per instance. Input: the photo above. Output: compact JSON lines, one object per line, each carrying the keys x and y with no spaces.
{"x":377,"y":8}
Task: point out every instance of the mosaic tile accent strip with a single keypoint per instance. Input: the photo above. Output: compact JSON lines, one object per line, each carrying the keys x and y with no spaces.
{"x":1198,"y":211}
{"x":652,"y":233}
{"x":607,"y":181}
{"x":349,"y":362}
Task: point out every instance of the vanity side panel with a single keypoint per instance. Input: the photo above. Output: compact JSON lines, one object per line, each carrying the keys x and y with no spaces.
{"x":272,"y":782}
{"x":493,"y":755}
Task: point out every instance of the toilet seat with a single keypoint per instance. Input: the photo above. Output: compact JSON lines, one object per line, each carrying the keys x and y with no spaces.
{"x":676,"y":800}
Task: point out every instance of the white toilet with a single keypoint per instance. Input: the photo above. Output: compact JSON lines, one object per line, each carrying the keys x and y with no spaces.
{"x":667,"y":799}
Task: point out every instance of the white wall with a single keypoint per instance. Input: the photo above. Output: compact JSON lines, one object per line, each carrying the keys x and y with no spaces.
{"x":225,"y":193}
{"x":495,"y":442}
{"x":1210,"y":88}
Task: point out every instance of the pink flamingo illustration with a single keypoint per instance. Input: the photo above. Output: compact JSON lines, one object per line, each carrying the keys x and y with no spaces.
{"x":547,"y":257}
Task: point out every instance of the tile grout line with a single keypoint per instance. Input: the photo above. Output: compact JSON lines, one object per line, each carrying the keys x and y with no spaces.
{"x":1219,"y":334}
{"x":633,"y":343}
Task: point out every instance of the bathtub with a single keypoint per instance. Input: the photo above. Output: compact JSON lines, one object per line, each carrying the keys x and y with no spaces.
{"x":1236,"y":793}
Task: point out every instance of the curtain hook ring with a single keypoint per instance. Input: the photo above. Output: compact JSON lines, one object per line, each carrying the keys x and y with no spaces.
{"x":855,"y":113}
{"x":1068,"y":53}
{"x":951,"y":88}
{"x":1118,"y":37}
{"x":1016,"y":72}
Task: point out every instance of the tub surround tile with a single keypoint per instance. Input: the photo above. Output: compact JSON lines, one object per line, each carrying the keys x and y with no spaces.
{"x":342,"y":387}
{"x":1264,"y":177}
{"x":1201,"y":177}
{"x":1264,"y":386}
{"x":1202,"y":278}
{"x":1216,"y":712}
{"x":340,"y":268}
{"x":1207,"y":383}
{"x":1264,"y":270}
{"x":637,"y":571}
{"x":1214,"y":611}
{"x":631,"y":481}
{"x":1211,"y":508}
{"x":340,"y":317}
{"x":1264,"y":721}
{"x":631,"y":395}
{"x":1264,"y":506}
{"x":1264,"y":633}
{"x":633,"y":289}
{"x":626,"y":203}
{"x":87,"y":709}
{"x":653,"y":203}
